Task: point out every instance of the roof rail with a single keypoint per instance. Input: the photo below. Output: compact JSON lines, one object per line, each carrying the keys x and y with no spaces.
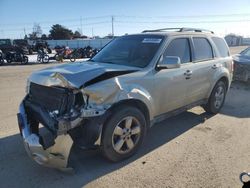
{"x":183,"y":29}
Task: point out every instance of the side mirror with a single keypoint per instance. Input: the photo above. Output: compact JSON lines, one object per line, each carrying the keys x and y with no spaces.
{"x":169,"y":62}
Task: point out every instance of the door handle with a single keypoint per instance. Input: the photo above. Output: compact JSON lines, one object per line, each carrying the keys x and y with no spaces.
{"x":215,"y":66}
{"x":188,"y":73}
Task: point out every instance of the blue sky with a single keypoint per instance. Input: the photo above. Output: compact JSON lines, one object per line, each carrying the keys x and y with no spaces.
{"x":130,"y":16}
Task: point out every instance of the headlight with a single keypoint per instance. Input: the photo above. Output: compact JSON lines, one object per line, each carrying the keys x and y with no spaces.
{"x":27,"y":86}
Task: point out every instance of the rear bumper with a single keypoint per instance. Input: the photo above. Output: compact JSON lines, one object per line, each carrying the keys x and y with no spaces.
{"x":55,"y":156}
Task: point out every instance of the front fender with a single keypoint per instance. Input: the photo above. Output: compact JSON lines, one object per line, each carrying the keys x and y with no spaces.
{"x":139,"y":93}
{"x":107,"y":93}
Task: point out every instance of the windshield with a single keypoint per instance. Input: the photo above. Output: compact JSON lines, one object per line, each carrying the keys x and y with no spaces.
{"x":134,"y":50}
{"x":246,"y":52}
{"x":4,"y":41}
{"x":20,"y":42}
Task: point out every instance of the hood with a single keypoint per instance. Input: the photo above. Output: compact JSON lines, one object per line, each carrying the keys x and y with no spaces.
{"x":76,"y":75}
{"x":241,"y":59}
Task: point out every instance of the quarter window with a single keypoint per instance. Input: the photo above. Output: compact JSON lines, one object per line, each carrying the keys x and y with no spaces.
{"x":202,"y":49}
{"x":180,"y":48}
{"x":221,"y":46}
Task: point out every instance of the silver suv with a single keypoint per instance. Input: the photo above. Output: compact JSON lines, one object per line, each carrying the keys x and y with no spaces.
{"x":112,"y":100}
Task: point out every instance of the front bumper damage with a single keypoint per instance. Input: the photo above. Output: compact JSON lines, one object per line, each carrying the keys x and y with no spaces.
{"x":55,"y":156}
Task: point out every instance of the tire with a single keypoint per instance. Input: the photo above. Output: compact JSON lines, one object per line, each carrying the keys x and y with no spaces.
{"x":116,"y":138}
{"x":45,"y":59}
{"x":1,"y":61}
{"x":25,"y":60}
{"x":38,"y":58}
{"x":57,"y":57}
{"x":72,"y":58}
{"x":216,"y":99}
{"x":9,"y":60}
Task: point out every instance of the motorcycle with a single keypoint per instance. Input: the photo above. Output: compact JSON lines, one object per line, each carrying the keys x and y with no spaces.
{"x":16,"y":57}
{"x":1,"y":58}
{"x":65,"y":53}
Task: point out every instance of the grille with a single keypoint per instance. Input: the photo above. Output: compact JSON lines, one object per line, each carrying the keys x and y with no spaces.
{"x":51,"y":98}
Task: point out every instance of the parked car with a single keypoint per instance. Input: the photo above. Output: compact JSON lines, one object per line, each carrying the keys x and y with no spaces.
{"x":113,"y":99}
{"x":242,"y":65}
{"x":24,"y":44}
{"x":7,"y":45}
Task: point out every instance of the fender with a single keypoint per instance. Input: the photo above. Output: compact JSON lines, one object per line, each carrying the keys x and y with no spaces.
{"x":106,"y":94}
{"x":222,"y":73}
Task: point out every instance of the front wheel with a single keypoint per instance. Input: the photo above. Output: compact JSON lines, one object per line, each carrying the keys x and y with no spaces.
{"x":123,"y":133}
{"x":72,"y":58}
{"x":25,"y":60}
{"x":216,"y":99}
{"x":45,"y":59}
{"x":1,"y":61}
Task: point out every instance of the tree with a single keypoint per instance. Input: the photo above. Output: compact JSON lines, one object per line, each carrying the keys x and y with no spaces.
{"x":44,"y":37}
{"x":58,"y":32}
{"x":77,"y":34}
{"x":37,"y":32}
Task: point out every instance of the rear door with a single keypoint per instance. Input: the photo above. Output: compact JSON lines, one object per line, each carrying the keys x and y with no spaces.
{"x":201,"y":69}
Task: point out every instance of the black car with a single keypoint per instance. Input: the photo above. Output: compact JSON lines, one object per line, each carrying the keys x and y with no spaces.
{"x":242,"y":65}
{"x":8,"y":45}
{"x":24,"y":44}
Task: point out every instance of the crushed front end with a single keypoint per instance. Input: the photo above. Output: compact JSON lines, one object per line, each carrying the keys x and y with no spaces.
{"x":51,"y":118}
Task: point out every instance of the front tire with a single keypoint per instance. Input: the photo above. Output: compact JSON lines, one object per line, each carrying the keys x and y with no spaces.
{"x":217,"y":98}
{"x":25,"y":60}
{"x":123,"y":133}
{"x":45,"y":59}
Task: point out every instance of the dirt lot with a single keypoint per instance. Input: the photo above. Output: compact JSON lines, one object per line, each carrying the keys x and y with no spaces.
{"x":189,"y":150}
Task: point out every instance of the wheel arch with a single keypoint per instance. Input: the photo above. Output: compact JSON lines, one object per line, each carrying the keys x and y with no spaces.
{"x":140,"y":105}
{"x":223,"y":78}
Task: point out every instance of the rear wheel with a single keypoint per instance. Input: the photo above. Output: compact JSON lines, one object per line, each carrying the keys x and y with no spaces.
{"x":216,"y":99}
{"x":38,"y":57}
{"x":57,"y":57}
{"x":123,"y":133}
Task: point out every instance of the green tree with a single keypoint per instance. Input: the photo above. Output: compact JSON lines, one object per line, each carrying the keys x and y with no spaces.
{"x":77,"y":34}
{"x":58,"y":32}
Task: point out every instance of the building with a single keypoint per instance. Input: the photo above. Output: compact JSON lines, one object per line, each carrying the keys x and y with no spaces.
{"x":234,"y":40}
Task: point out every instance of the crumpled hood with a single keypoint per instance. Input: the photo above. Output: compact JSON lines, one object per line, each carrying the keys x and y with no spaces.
{"x":76,"y":75}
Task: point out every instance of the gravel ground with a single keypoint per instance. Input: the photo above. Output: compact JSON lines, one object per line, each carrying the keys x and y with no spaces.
{"x":192,"y":149}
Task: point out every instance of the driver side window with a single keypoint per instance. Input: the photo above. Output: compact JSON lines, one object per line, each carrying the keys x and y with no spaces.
{"x":181,"y":48}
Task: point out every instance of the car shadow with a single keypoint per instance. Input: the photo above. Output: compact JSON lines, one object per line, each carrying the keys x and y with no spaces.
{"x":17,"y":170}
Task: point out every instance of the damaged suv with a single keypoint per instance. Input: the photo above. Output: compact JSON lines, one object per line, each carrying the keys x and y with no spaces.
{"x":112,"y":100}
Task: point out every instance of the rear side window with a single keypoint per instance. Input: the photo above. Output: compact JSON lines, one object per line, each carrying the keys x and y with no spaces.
{"x":202,"y":49}
{"x":180,"y":48}
{"x":221,"y":46}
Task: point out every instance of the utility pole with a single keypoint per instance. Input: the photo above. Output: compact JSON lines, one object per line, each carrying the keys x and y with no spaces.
{"x":81,"y":25}
{"x":24,"y":30}
{"x":112,"y":19}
